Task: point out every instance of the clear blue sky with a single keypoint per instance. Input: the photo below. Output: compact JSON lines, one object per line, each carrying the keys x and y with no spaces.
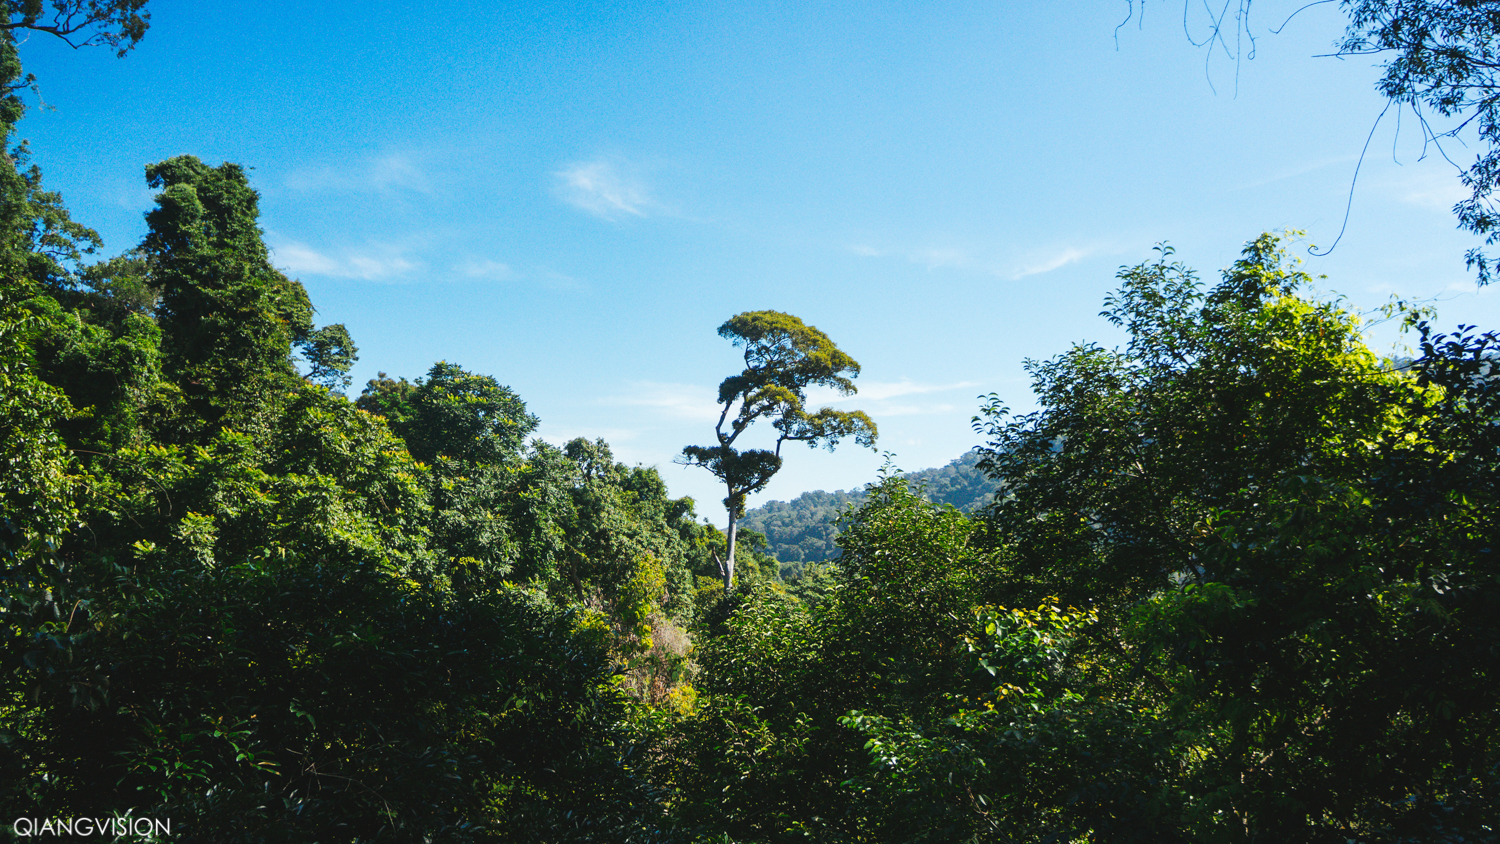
{"x":572,"y":196}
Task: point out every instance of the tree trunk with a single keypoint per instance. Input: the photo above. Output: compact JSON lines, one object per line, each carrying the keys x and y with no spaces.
{"x":729,"y":561}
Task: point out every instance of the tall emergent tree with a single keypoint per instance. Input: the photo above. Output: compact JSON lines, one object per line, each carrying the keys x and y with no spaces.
{"x":783,"y":357}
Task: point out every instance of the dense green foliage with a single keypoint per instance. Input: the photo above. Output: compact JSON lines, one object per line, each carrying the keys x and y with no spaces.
{"x":1235,"y":582}
{"x":803,"y":530}
{"x":1240,"y":586}
{"x":237,"y":599}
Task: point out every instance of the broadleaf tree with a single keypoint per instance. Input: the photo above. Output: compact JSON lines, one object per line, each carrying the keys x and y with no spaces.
{"x":330,"y":353}
{"x":783,"y":357}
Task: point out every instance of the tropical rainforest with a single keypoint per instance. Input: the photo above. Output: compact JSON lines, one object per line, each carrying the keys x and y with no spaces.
{"x":1234,"y":581}
{"x":805,"y":529}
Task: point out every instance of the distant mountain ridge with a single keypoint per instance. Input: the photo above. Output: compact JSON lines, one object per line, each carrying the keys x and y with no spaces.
{"x":802,"y":531}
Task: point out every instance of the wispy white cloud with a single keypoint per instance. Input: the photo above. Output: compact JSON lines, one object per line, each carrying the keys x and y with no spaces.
{"x":1298,"y":169}
{"x":1056,"y":260}
{"x":606,"y":188}
{"x":1437,"y":191}
{"x":877,"y":397}
{"x":696,"y":403}
{"x":885,"y":390}
{"x":485,"y":269}
{"x":913,"y":409}
{"x":548,"y":277}
{"x":372,"y":264}
{"x":488,"y":269}
{"x":395,"y":171}
{"x":678,"y":401}
{"x":931,"y":257}
{"x":943,"y":257}
{"x":135,"y":198}
{"x":1035,"y":262}
{"x":609,"y":435}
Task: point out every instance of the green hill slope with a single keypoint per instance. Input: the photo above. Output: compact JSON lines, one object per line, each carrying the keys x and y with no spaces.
{"x":802,"y":530}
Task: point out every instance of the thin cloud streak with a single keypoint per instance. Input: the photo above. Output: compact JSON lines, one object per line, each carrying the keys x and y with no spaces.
{"x":375,"y":175}
{"x":485,"y":269}
{"x":915,"y":410}
{"x":883,"y":390}
{"x":1296,"y":170}
{"x":1439,"y":192}
{"x":1069,"y":255}
{"x":609,"y":435}
{"x":677,"y":401}
{"x":379,"y":265}
{"x":956,"y":258}
{"x":697,"y":403}
{"x":554,"y":280}
{"x":600,"y":188}
{"x":876,"y":397}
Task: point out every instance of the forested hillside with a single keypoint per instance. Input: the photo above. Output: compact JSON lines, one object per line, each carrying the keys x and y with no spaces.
{"x":235,"y":598}
{"x":804,"y":530}
{"x":1242,"y":585}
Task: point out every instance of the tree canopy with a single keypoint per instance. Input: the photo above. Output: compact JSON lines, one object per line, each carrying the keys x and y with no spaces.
{"x":1233,"y":581}
{"x":1236,"y":585}
{"x":783,"y":357}
{"x":234,"y":597}
{"x":803,"y":530}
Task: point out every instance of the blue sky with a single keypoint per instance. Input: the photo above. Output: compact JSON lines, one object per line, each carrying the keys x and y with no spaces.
{"x":573,"y":196}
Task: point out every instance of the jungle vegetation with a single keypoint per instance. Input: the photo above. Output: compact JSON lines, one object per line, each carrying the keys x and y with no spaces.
{"x":1237,"y":580}
{"x":805,"y":529}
